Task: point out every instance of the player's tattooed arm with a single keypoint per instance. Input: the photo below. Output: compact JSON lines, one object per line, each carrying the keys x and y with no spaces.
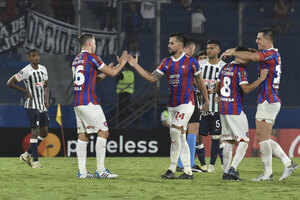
{"x":202,"y":87}
{"x":157,"y":75}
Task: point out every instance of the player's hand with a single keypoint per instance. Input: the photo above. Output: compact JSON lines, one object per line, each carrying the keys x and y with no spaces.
{"x":205,"y":107}
{"x":217,"y":99}
{"x":228,"y":53}
{"x":112,"y":64}
{"x":28,"y":95}
{"x":47,"y":105}
{"x":132,"y":61}
{"x":210,"y":91}
{"x":263,"y":74}
{"x":123,"y":59}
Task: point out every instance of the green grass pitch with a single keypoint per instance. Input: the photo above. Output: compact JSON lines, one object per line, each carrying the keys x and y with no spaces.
{"x":139,"y":178}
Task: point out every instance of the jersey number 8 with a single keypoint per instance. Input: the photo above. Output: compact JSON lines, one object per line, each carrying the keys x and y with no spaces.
{"x":225,"y":90}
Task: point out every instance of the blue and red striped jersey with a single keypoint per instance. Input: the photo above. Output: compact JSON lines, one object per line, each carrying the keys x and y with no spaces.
{"x":268,"y":90}
{"x":180,"y":73}
{"x":84,"y":67}
{"x":231,"y":76}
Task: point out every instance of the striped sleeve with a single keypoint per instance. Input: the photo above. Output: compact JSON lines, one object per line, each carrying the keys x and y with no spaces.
{"x":96,"y":60}
{"x":195,"y":66}
{"x":161,"y":68}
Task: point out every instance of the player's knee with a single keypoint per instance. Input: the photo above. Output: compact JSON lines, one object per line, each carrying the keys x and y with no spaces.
{"x":35,"y":132}
{"x":103,"y":134}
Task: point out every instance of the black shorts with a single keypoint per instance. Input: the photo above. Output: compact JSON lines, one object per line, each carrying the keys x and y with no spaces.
{"x":210,"y":123}
{"x":37,"y":119}
{"x":195,"y":118}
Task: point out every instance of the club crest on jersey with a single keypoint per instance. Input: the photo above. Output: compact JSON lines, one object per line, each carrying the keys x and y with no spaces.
{"x":183,"y":66}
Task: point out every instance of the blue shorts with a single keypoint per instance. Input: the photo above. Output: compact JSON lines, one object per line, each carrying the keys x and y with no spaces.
{"x":37,"y":119}
{"x":210,"y":123}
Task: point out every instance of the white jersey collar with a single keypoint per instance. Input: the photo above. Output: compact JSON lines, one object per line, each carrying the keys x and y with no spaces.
{"x":175,"y":60}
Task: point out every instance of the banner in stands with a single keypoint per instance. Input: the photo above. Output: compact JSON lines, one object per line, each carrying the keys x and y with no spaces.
{"x":55,"y":37}
{"x":12,"y":33}
{"x":51,"y":36}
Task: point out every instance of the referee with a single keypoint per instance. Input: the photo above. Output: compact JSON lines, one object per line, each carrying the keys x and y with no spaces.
{"x":35,"y":78}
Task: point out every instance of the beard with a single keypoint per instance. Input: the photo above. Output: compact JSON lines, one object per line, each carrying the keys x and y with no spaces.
{"x":171,"y":52}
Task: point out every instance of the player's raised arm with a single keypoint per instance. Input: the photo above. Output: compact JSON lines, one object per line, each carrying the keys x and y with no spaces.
{"x":112,"y":71}
{"x":202,"y":87}
{"x":245,"y":55}
{"x":247,"y":88}
{"x":155,"y":76}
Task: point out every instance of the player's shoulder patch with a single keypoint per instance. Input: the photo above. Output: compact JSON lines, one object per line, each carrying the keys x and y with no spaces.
{"x":245,"y":73}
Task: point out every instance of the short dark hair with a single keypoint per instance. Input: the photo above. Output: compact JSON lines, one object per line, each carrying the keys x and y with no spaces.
{"x":84,"y":38}
{"x":31,"y":50}
{"x":240,"y":48}
{"x":268,"y":32}
{"x":188,"y":42}
{"x":213,"y":42}
{"x":179,"y":36}
{"x":202,"y":53}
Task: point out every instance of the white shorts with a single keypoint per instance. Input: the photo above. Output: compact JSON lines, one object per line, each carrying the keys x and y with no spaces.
{"x":235,"y":127}
{"x":267,"y":111}
{"x":90,"y":119}
{"x":180,"y":115}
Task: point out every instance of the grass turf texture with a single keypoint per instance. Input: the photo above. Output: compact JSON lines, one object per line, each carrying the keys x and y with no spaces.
{"x":139,"y":178}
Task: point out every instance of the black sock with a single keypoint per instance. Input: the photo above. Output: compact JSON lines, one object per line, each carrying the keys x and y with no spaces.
{"x":201,"y":154}
{"x":215,"y":145}
{"x":29,"y":148}
{"x":221,"y":155}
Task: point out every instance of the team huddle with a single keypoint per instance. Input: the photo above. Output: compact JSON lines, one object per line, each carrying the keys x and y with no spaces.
{"x":219,"y":107}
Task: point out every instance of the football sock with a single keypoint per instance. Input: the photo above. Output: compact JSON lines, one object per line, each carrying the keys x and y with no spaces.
{"x":185,"y":155}
{"x":266,"y":156}
{"x":239,"y":154}
{"x":200,"y":150}
{"x":191,"y":140}
{"x":34,"y":150}
{"x":100,"y":153}
{"x":220,"y":152}
{"x":227,"y":155}
{"x":40,"y":139}
{"x":215,"y":145}
{"x":81,"y":151}
{"x":175,"y":147}
{"x":279,"y":153}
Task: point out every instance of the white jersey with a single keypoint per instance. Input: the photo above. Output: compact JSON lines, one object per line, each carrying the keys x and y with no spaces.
{"x":210,"y":75}
{"x":34,"y":81}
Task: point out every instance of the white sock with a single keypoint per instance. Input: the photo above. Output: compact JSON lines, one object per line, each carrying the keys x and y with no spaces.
{"x":175,"y":148}
{"x":81,"y":155}
{"x":279,"y":153}
{"x":266,"y":156}
{"x":227,"y":155}
{"x":100,"y":153}
{"x":239,"y":154}
{"x":185,"y":155}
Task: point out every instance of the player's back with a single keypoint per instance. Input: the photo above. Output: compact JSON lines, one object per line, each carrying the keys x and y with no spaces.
{"x":231,"y":77}
{"x":84,"y":67}
{"x":270,"y":59}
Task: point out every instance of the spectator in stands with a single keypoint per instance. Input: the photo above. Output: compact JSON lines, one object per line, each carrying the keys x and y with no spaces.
{"x":22,"y":6}
{"x":186,"y":4}
{"x":202,"y":55}
{"x":7,"y":10}
{"x":111,"y":13}
{"x":148,"y":14}
{"x":280,"y":19}
{"x":133,"y":24}
{"x":64,"y":11}
{"x":198,"y":27}
{"x":292,"y":7}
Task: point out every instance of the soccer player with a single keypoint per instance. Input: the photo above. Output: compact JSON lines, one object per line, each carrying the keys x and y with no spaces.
{"x":89,"y":115}
{"x":210,"y":121}
{"x":35,"y":78}
{"x":202,"y":55}
{"x":181,"y":69}
{"x":268,"y":101}
{"x":231,"y":86}
{"x":193,"y":124}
